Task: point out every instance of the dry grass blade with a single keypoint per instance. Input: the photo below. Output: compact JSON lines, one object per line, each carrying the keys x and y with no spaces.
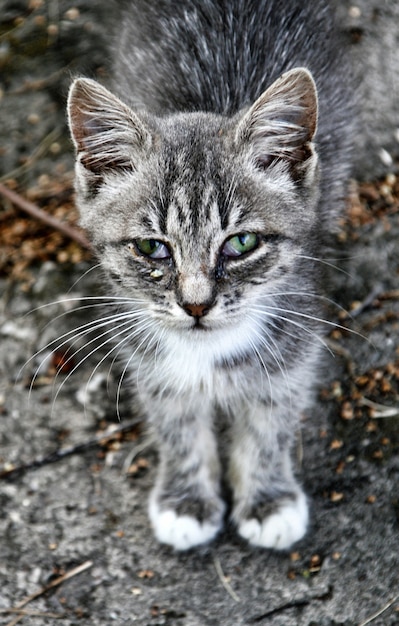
{"x":224,"y":580}
{"x":380,"y":410}
{"x":380,"y":612}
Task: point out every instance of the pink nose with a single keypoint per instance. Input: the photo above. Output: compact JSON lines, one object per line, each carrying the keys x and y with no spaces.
{"x":196,"y":310}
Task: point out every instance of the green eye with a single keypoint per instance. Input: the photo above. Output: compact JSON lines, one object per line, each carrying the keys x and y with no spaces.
{"x":152,"y":248}
{"x":240,"y":244}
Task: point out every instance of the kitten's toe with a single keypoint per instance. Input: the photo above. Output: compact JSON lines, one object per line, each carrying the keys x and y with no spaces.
{"x":184,"y":531}
{"x":280,"y":529}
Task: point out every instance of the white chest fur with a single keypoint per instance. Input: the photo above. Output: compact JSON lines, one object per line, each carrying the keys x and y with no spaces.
{"x":187,"y":361}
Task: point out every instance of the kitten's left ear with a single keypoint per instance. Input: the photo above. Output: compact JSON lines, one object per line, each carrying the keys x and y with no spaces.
{"x":282,"y":123}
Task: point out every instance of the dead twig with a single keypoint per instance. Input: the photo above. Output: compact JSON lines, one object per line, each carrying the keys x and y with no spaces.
{"x":296,"y":602}
{"x":366,"y":303}
{"x":58,"y":455}
{"x":289,"y":605}
{"x":54,"y":583}
{"x":339,"y":350}
{"x":32,"y":613}
{"x":44,"y":217}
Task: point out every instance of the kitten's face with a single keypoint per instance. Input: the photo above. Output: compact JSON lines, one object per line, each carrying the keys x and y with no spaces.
{"x":196,"y":216}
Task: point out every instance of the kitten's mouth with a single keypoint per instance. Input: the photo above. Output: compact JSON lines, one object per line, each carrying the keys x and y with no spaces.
{"x":199,"y":326}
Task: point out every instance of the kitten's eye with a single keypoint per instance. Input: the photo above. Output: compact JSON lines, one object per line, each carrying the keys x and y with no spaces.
{"x":153,"y":248}
{"x":240,"y":244}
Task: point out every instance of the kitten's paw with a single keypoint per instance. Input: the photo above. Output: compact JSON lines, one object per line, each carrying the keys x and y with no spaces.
{"x":183,"y":531}
{"x":280,"y":529}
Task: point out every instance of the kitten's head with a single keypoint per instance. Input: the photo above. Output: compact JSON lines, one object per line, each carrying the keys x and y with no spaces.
{"x":196,"y":215}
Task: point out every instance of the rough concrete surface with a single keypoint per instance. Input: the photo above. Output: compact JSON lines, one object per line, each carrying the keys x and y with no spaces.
{"x":85,"y":509}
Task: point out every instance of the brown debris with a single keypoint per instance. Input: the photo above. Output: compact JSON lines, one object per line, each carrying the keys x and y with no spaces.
{"x":47,"y":233}
{"x":369,"y":202}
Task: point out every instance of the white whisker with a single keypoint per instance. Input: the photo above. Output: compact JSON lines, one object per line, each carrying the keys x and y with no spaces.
{"x":274,"y":352}
{"x":266,"y":308}
{"x":76,"y":333}
{"x":91,"y":269}
{"x":324,"y":262}
{"x":263,"y":368}
{"x":97,"y":348}
{"x":127,"y":365}
{"x":119,"y":346}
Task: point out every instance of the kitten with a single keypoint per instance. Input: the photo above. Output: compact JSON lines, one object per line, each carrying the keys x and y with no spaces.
{"x":207,"y":191}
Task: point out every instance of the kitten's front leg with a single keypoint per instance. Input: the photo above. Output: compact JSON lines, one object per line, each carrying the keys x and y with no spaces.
{"x":270,"y":509}
{"x":185,"y":507}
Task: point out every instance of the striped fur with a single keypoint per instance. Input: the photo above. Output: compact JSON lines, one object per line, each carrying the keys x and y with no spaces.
{"x":233,"y":119}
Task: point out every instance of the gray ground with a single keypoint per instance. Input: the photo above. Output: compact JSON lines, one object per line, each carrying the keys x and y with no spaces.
{"x":85,"y":508}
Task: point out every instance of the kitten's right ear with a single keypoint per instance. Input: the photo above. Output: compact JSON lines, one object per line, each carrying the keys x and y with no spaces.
{"x":106,"y":133}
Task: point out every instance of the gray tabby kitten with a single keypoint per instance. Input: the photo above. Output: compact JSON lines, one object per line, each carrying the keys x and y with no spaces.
{"x":206,"y":192}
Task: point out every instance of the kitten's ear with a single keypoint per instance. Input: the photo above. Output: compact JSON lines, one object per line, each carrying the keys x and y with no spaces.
{"x":106,"y":133}
{"x":282,"y":123}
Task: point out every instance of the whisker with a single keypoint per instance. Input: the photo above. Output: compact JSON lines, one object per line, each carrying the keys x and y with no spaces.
{"x":324,"y":262}
{"x":308,"y":294}
{"x":91,"y":269}
{"x":265,"y":308}
{"x":87,"y":356}
{"x":275,"y":354}
{"x":105,"y":300}
{"x":80,"y":331}
{"x":296,"y":324}
{"x":295,"y":337}
{"x":84,"y":308}
{"x":160,"y":334}
{"x":94,"y":340}
{"x":127,"y":365}
{"x":263,"y":368}
{"x":118,"y":347}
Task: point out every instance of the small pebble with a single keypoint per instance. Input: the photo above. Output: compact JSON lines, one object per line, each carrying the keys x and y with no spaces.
{"x":72,"y":14}
{"x":136,"y":591}
{"x":354,"y":12}
{"x":385,"y":157}
{"x":336,"y":496}
{"x":33,"y":118}
{"x":52,"y":30}
{"x":55,"y":148}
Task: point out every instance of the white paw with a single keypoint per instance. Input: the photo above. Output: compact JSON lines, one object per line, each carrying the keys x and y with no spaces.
{"x":279,"y":530}
{"x":180,"y":531}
